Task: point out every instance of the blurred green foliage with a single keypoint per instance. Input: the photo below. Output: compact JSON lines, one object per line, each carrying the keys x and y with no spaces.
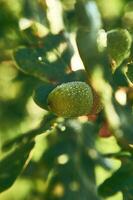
{"x":48,"y":157}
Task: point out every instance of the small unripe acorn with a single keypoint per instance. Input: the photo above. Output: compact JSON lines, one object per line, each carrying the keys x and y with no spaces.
{"x":118,"y":44}
{"x":71,"y":99}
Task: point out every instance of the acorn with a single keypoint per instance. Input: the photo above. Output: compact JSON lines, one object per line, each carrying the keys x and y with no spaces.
{"x":72,"y":99}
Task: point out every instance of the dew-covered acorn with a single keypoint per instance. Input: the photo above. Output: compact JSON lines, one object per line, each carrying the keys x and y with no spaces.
{"x":118,"y":45}
{"x":71,"y":99}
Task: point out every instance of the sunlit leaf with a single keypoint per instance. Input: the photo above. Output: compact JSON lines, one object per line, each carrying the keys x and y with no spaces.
{"x":48,"y":62}
{"x":45,"y":125}
{"x":12,"y":165}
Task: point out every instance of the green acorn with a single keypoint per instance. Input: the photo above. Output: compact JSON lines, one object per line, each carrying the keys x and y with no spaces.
{"x":118,"y":44}
{"x":71,"y":99}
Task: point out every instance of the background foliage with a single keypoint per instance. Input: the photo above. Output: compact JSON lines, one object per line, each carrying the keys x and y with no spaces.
{"x":42,"y":44}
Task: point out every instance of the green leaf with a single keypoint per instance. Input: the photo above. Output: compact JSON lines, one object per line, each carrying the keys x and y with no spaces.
{"x":128,"y":194}
{"x":121,"y":180}
{"x":41,"y":93}
{"x":35,"y":10}
{"x":126,"y":122}
{"x":12,"y":165}
{"x":119,"y":78}
{"x":69,"y":167}
{"x":78,"y":75}
{"x":88,"y":15}
{"x":130,"y":72}
{"x":89,"y":23}
{"x":72,"y":184}
{"x":118,"y":44}
{"x":49,"y":61}
{"x":45,"y":125}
